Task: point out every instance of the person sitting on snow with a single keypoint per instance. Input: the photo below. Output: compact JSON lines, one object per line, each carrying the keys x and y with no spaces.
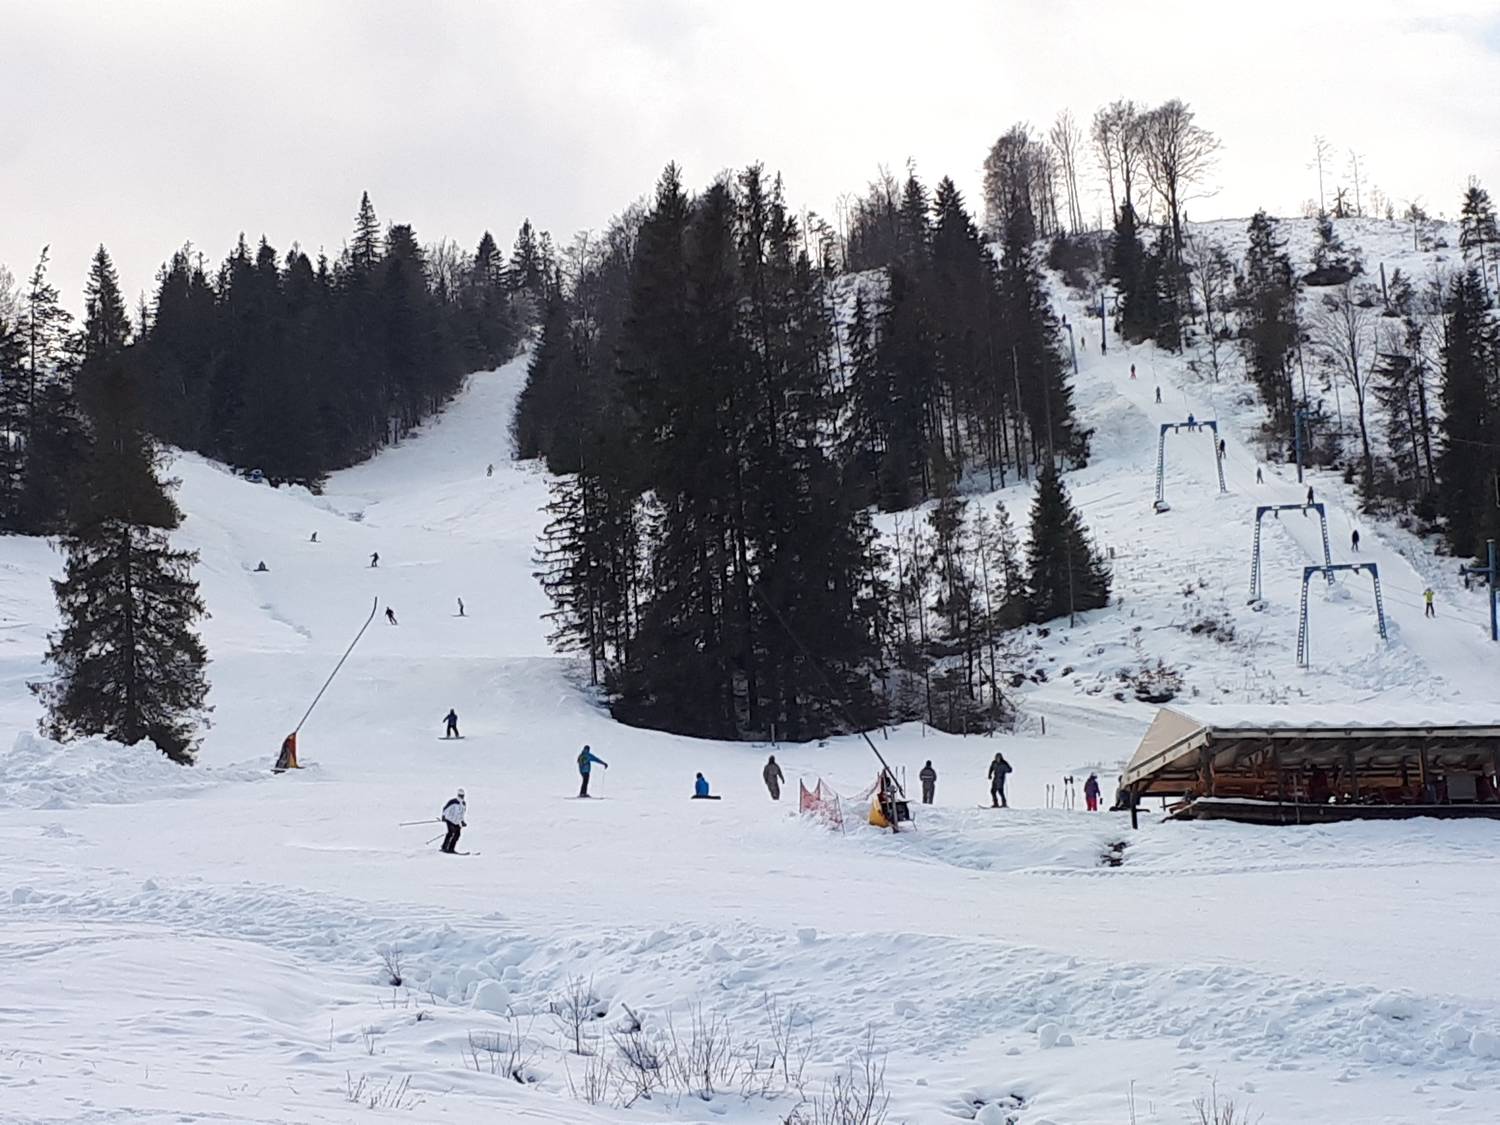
{"x":453,"y":816}
{"x":700,"y":788}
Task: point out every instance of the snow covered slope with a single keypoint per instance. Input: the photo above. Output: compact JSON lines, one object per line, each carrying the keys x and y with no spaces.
{"x":209,"y":944}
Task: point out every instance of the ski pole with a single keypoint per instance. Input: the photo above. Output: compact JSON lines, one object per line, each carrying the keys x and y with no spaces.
{"x":409,"y":823}
{"x":439,"y":836}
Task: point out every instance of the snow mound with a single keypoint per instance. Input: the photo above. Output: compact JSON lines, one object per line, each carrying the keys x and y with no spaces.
{"x":38,"y":773}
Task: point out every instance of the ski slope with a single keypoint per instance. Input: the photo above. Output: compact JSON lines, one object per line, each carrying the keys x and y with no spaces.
{"x":205,"y":944}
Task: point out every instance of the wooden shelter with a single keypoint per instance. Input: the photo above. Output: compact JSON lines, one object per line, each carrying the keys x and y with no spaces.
{"x":1283,"y":765}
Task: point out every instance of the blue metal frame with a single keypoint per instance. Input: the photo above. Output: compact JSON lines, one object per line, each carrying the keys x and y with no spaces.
{"x":1212,"y":426}
{"x":1307,"y":575}
{"x":1277,"y":509}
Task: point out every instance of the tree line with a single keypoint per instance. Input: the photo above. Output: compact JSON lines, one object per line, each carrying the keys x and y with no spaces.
{"x":724,"y":410}
{"x":274,"y":363}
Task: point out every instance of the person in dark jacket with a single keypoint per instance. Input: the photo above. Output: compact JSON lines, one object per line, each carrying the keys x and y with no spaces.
{"x":773,"y":777}
{"x":454,"y":816}
{"x":928,"y":777}
{"x":586,"y":759}
{"x":1309,"y":494}
{"x":390,"y":615}
{"x":998,"y":769}
{"x":1354,"y":539}
{"x":451,"y":719}
{"x":374,"y":560}
{"x":1091,"y":792}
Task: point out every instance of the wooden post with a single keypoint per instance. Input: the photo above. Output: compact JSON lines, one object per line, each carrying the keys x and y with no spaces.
{"x":1422,"y":770}
{"x":1353,"y":780}
{"x":1280,"y":784}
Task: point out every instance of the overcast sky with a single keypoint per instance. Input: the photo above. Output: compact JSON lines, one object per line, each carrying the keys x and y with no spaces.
{"x":145,"y":123}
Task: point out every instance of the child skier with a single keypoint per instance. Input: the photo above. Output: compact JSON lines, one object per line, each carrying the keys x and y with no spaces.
{"x":1091,"y":792}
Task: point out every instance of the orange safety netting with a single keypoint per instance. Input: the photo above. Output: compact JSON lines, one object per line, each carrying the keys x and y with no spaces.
{"x":821,"y":802}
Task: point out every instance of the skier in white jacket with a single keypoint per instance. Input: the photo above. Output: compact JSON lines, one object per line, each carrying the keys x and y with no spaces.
{"x":453,"y":816}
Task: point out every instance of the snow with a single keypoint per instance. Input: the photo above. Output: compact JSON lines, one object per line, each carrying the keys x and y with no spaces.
{"x":213,"y":942}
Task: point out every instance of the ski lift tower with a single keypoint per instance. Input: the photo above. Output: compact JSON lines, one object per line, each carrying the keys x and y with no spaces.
{"x":1276,"y":510}
{"x":1191,"y":425}
{"x":1307,"y":576}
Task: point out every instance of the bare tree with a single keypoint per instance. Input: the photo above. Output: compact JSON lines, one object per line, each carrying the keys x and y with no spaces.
{"x":1066,"y":138}
{"x":1116,"y":136}
{"x":1213,"y":271}
{"x":1322,"y":154}
{"x":10,"y":297}
{"x":1020,"y":180}
{"x":1344,"y":333}
{"x":1355,"y":160}
{"x":1177,"y":153}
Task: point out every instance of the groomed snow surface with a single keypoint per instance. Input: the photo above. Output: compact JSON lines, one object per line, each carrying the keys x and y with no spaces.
{"x":209,"y":944}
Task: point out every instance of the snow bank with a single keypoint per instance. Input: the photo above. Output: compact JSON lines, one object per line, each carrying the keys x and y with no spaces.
{"x":38,"y":773}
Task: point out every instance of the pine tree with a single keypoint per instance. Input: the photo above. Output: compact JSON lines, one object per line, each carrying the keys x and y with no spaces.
{"x":1128,"y":269}
{"x":1477,"y":228}
{"x":1266,"y":294}
{"x":1066,"y":573}
{"x":365,"y":250}
{"x":126,"y":661}
{"x":1333,"y":262}
{"x":1469,"y":461}
{"x":106,"y":328}
{"x":13,"y":413}
{"x":54,"y":441}
{"x":1039,"y":368}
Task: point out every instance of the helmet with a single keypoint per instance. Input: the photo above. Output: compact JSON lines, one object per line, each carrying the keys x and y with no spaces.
{"x":460,"y":793}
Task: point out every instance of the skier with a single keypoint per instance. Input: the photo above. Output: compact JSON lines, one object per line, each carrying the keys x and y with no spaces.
{"x":1132,"y":371}
{"x":1091,"y":792}
{"x":998,"y":769}
{"x":1158,"y":396}
{"x":928,"y":777}
{"x":700,"y":788}
{"x":314,"y":538}
{"x":451,"y":718}
{"x":460,"y":607}
{"x":1354,"y":539}
{"x":772,"y":776}
{"x":1259,"y":478}
{"x":1427,"y":597}
{"x":1192,"y":422}
{"x":1309,"y":494}
{"x":261,"y":567}
{"x":374,"y":559}
{"x":390,"y":615}
{"x":1221,"y":449}
{"x":453,"y":816}
{"x":586,"y":760}
{"x":489,"y":470}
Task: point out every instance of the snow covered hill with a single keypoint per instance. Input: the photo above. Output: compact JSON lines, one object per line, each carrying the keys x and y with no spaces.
{"x":213,"y":943}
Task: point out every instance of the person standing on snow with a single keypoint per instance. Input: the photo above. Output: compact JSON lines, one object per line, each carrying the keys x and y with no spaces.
{"x":998,"y":769}
{"x":1132,"y":371}
{"x":1354,"y":539}
{"x":773,"y":777}
{"x":451,"y":718}
{"x":1309,"y":494}
{"x":1259,"y":476}
{"x":1091,"y":792}
{"x":586,"y":760}
{"x":454,"y":814}
{"x":374,"y":559}
{"x":489,"y":470}
{"x":928,"y":777}
{"x":1158,"y":396}
{"x":460,"y":607}
{"x":1427,"y":596}
{"x":390,"y":615}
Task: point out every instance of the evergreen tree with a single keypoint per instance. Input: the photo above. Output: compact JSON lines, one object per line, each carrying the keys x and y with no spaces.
{"x":1066,"y":573}
{"x":1477,"y":228}
{"x":13,"y":411}
{"x":1267,"y":297}
{"x":106,"y":328}
{"x":365,"y":250}
{"x":126,"y":661}
{"x":1039,"y":368}
{"x":1469,"y":462}
{"x":1129,"y":270}
{"x":54,"y":441}
{"x":1333,"y":263}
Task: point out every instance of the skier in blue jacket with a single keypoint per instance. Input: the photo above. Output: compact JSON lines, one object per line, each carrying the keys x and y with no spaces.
{"x":586,"y":759}
{"x":700,"y":787}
